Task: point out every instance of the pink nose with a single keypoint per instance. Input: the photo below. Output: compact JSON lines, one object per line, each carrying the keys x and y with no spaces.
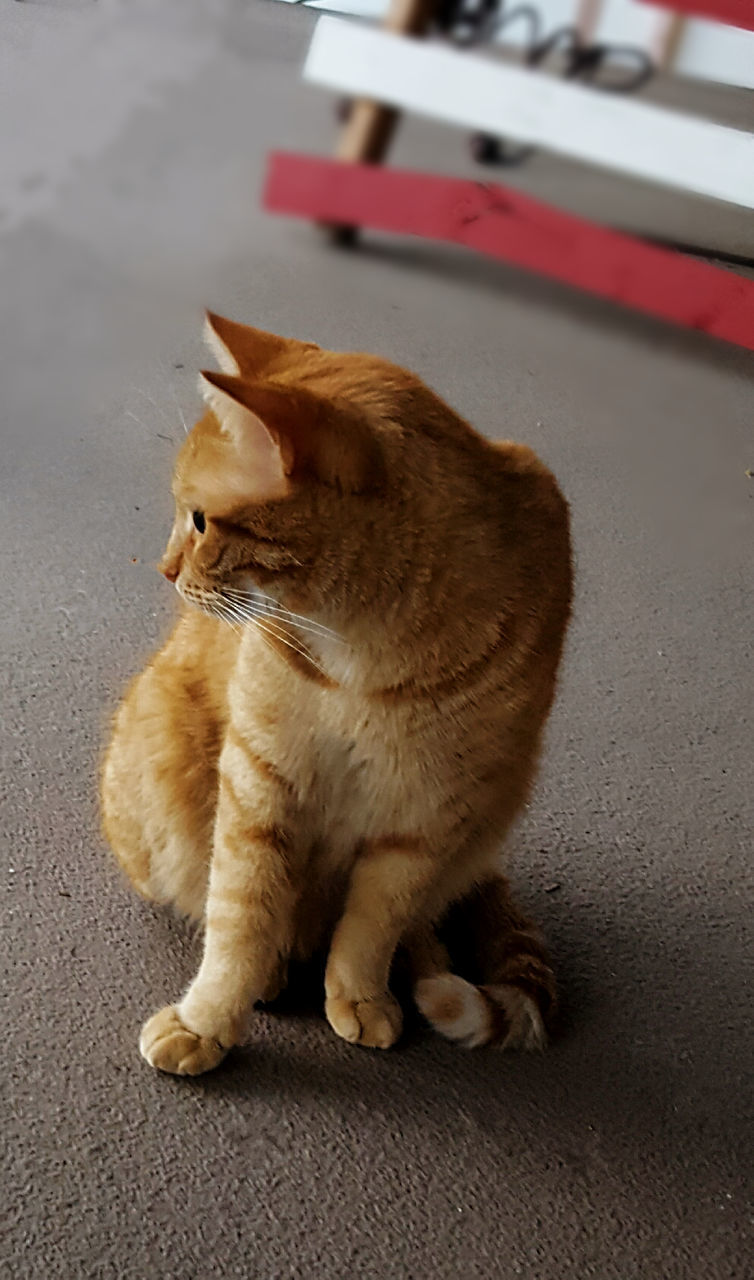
{"x":170,"y":570}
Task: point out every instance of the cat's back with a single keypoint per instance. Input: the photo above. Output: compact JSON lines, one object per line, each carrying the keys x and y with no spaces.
{"x":526,"y":579}
{"x":501,"y":485}
{"x":532,"y":514}
{"x":516,"y":520}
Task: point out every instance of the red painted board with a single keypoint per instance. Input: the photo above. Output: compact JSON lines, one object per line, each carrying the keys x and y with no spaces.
{"x":734,"y":13}
{"x":505,"y":224}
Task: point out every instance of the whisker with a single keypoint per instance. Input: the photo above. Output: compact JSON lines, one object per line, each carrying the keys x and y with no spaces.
{"x":140,"y":421}
{"x":277,"y":631}
{"x":171,"y":388}
{"x":273,"y":607}
{"x":276,"y":606}
{"x":216,"y":606}
{"x":323,"y":633}
{"x":254,"y":613}
{"x":236,"y":616}
{"x":216,"y":609}
{"x":231,"y":612}
{"x":279,"y":634}
{"x":252,"y":610}
{"x":265,"y":640}
{"x":211,"y":603}
{"x":264,"y":634}
{"x":129,"y":414}
{"x":154,"y":403}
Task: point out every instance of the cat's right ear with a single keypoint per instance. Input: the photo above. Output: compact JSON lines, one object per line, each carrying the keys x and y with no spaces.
{"x":264,"y":457}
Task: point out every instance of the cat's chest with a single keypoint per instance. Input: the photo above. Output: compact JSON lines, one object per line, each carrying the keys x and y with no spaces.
{"x":368,"y":772}
{"x":360,"y":769}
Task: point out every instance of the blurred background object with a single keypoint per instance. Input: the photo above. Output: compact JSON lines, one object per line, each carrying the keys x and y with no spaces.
{"x":704,"y":39}
{"x":701,"y":68}
{"x":400,"y":69}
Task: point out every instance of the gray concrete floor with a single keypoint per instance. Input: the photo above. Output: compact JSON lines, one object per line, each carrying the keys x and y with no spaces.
{"x":132,"y":197}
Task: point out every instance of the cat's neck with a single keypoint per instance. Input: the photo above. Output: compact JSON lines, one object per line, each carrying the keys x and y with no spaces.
{"x":435,"y":625}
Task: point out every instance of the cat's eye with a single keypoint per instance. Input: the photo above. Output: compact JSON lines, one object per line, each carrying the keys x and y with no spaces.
{"x":200,"y":524}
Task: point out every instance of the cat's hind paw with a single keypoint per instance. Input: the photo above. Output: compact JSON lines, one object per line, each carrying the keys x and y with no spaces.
{"x":376,"y":1023}
{"x":168,"y":1045}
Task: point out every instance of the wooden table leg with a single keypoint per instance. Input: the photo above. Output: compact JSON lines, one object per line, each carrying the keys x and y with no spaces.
{"x":369,"y":128}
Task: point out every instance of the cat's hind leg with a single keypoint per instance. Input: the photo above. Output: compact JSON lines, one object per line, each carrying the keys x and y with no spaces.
{"x":160,"y":833}
{"x":159,"y":786}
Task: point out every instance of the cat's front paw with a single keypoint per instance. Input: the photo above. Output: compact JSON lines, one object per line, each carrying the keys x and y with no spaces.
{"x":375,"y":1023}
{"x":169,"y":1046}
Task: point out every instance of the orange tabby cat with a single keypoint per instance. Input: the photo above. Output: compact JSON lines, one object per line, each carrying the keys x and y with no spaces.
{"x":332,"y":744}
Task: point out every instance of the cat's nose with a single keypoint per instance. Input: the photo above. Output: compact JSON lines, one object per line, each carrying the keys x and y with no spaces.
{"x":170,"y":569}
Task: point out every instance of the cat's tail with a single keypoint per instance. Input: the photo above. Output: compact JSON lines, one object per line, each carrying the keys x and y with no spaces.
{"x":515,"y":995}
{"x":473,"y":1016}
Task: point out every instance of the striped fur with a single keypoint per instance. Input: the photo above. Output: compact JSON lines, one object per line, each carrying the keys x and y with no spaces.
{"x":331,"y":745}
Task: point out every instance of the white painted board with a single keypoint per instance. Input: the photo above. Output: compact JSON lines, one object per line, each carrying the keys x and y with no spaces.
{"x":463,"y":89}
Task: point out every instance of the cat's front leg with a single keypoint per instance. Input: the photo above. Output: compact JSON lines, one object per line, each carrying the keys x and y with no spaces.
{"x":253,"y":887}
{"x":389,"y":885}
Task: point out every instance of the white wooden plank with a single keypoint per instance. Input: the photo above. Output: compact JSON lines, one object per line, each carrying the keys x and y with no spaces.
{"x":464,"y":89}
{"x":714,"y":52}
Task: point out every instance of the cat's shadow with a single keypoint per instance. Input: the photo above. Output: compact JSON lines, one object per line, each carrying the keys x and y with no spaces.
{"x":631,"y":1060}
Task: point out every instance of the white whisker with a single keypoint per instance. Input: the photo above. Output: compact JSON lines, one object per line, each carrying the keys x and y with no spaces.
{"x":130,"y":414}
{"x":171,"y":388}
{"x":271,"y":606}
{"x":215,"y":608}
{"x":140,"y":421}
{"x":239,"y":613}
{"x":263,"y":632}
{"x":265,"y":640}
{"x":278,"y":634}
{"x":154,"y":403}
{"x":211,"y":603}
{"x":232,"y":612}
{"x":276,"y":630}
{"x":253,"y":612}
{"x":275,"y":606}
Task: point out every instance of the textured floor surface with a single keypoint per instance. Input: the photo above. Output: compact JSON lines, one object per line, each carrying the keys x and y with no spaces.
{"x":624,"y":1151}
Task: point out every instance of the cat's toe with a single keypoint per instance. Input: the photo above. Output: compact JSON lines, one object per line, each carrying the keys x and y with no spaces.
{"x":376,"y":1023}
{"x":168,"y":1045}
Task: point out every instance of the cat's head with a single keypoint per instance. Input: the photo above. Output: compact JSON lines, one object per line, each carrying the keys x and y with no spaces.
{"x":277,"y":485}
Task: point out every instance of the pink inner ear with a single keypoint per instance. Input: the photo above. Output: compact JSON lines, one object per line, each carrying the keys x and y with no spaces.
{"x":258,"y":466}
{"x":260,"y":454}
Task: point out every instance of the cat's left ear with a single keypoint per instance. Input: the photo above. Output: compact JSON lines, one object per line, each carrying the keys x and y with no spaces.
{"x":242,"y":350}
{"x":311,"y":434}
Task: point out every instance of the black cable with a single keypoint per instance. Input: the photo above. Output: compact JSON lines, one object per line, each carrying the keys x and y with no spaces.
{"x":468,"y":24}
